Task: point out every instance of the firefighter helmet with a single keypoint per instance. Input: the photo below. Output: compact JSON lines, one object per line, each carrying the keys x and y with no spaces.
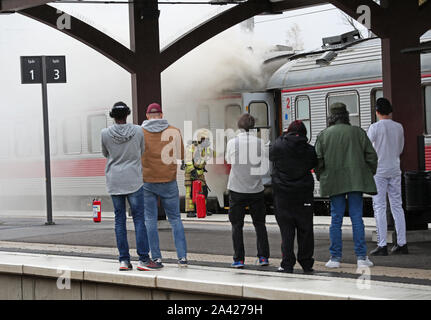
{"x":203,"y":134}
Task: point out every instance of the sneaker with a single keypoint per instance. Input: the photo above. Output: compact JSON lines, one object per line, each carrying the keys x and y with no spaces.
{"x":237,"y":264}
{"x":148,"y":265}
{"x":285,"y":270}
{"x":379,"y":251}
{"x":125,"y":266}
{"x":191,"y":215}
{"x":158,"y":263}
{"x":263,"y":261}
{"x":396,"y":249}
{"x":364,"y":262}
{"x":332,"y":264}
{"x":182,"y":263}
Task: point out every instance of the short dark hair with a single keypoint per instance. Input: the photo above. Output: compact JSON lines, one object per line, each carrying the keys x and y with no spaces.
{"x":119,"y":111}
{"x":246,"y":122}
{"x":297,"y":127}
{"x":383,"y":106}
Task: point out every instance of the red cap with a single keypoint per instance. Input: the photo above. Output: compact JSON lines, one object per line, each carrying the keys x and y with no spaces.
{"x":154,"y":108}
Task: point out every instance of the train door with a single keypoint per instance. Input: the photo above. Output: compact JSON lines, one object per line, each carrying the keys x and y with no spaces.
{"x":262,"y":107}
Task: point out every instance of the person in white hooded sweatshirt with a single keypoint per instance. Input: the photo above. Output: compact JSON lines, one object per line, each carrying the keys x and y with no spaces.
{"x":123,"y":145}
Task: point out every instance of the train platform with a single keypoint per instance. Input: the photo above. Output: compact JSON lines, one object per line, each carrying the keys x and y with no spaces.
{"x":209,"y":248}
{"x":40,"y":276}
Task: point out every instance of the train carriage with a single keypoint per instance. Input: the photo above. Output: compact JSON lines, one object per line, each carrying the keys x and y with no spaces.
{"x":301,"y":86}
{"x":347,"y":69}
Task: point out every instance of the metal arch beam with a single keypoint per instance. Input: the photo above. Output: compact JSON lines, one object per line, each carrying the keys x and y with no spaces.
{"x":15,"y":5}
{"x":350,"y":7}
{"x":294,"y":4}
{"x":86,"y":34}
{"x":224,"y":21}
{"x":424,"y":15}
{"x":209,"y":29}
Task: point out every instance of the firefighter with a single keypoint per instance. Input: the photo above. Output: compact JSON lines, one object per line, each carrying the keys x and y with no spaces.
{"x":196,"y":156}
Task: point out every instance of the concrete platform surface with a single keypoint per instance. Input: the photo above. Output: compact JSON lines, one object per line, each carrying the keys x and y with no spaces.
{"x":223,"y":282}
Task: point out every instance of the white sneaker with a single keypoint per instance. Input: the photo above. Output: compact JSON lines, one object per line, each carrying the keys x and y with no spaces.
{"x":332,"y":264}
{"x":365,"y":263}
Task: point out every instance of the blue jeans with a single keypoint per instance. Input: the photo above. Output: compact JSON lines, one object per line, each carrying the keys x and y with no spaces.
{"x":338,"y":206}
{"x":169,"y":196}
{"x":136,"y":201}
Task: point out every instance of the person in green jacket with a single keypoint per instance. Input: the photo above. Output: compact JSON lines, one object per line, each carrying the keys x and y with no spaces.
{"x":347,"y":163}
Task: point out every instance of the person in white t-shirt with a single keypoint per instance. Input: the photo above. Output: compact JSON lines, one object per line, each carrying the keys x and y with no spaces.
{"x":247,"y":155}
{"x":387,"y":137}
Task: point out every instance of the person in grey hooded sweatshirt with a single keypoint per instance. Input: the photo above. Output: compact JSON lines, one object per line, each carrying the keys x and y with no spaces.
{"x":123,"y":145}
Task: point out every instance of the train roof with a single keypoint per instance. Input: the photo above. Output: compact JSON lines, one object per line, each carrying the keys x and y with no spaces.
{"x":357,"y":60}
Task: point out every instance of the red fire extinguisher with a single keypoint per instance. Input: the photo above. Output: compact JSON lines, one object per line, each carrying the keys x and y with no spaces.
{"x":201,"y":208}
{"x":97,"y":210}
{"x":197,"y":188}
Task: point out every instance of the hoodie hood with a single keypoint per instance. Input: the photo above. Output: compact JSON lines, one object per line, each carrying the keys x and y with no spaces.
{"x":295,"y":143}
{"x":155,"y":125}
{"x":121,"y":133}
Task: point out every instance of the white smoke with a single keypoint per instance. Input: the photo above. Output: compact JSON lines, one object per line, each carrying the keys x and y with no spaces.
{"x":229,"y":62}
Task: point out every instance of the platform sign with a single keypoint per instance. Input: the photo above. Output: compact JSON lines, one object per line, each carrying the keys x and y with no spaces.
{"x":43,"y":70}
{"x":56,"y":69}
{"x":31,"y":70}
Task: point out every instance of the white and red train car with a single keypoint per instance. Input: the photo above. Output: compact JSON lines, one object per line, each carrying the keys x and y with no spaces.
{"x":346,"y":70}
{"x":302,"y":88}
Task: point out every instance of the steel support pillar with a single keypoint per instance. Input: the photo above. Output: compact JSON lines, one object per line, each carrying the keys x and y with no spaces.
{"x":145,"y":43}
{"x":402,"y":86}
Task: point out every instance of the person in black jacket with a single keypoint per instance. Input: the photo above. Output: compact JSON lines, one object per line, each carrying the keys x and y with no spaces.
{"x":293,"y":185}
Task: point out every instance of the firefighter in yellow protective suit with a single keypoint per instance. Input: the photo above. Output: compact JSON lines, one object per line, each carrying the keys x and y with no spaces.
{"x":196,"y":156}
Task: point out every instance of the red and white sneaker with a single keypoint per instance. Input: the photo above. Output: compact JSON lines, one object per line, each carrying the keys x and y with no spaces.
{"x":149,"y":265}
{"x":125,"y":266}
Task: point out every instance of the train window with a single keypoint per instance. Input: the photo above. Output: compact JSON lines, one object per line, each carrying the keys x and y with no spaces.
{"x":232,"y":114}
{"x":351,"y":100}
{"x":72,"y":136}
{"x":95,"y":125}
{"x":259,"y":110}
{"x":302,"y":109}
{"x":204,"y":117}
{"x":52,"y":139}
{"x":428,"y":108}
{"x":375,"y":95}
{"x":5,"y":140}
{"x":23,"y":139}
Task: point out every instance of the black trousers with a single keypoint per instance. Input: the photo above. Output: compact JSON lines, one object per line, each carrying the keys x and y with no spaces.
{"x":295,"y":218}
{"x":237,"y":203}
